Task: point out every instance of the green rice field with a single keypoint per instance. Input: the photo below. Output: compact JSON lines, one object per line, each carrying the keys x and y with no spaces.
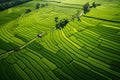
{"x":83,"y":50}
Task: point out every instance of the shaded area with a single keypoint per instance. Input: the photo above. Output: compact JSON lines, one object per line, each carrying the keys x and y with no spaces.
{"x":64,"y":70}
{"x":7,"y":4}
{"x":7,"y":71}
{"x":6,"y":46}
{"x":107,"y":32}
{"x":21,"y":38}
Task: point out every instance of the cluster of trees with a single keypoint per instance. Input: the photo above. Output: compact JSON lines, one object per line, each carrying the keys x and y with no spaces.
{"x":5,"y":4}
{"x":94,"y":4}
{"x":2,"y":1}
{"x":62,"y":23}
{"x":37,"y":6}
{"x":28,"y":11}
{"x":86,"y":7}
{"x":40,"y":5}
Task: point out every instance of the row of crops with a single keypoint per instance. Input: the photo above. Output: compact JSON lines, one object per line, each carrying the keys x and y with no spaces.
{"x":86,"y":50}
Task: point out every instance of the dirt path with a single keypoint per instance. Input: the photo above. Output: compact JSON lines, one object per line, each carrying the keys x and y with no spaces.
{"x":22,"y":47}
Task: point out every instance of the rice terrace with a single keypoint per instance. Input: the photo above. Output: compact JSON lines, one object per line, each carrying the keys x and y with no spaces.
{"x":59,"y":39}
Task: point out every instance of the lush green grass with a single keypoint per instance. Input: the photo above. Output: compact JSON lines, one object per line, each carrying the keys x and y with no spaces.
{"x":86,"y":50}
{"x":15,"y":12}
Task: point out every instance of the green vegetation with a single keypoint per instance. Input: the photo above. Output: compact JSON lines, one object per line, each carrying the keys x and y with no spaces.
{"x":5,"y":4}
{"x":31,"y":48}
